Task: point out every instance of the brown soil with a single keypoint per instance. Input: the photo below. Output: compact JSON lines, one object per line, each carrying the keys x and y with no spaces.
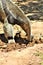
{"x":21,"y":56}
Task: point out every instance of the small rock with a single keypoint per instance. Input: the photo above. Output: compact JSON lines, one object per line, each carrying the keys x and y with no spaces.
{"x":23,"y":46}
{"x":37,"y":41}
{"x":18,"y":46}
{"x":41,"y":40}
{"x":11,"y":46}
{"x":1,"y":43}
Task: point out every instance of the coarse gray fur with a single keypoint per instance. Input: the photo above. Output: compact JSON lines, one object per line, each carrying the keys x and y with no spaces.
{"x":17,"y":16}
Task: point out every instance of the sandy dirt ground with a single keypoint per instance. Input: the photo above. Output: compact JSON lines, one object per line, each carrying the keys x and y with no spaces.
{"x":27,"y":56}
